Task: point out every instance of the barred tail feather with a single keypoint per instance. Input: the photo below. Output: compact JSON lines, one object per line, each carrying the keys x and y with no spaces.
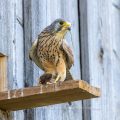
{"x":68,"y":75}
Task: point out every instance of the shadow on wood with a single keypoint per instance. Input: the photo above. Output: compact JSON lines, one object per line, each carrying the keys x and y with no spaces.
{"x":47,"y":95}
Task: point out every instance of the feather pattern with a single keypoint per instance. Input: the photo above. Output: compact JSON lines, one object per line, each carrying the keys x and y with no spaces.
{"x":51,"y":53}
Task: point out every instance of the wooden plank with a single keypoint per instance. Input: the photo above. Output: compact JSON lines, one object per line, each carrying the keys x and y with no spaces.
{"x":47,"y":95}
{"x":114,"y":8}
{"x":37,"y":15}
{"x":103,"y":45}
{"x":11,"y":39}
{"x":2,"y":54}
{"x":69,"y":11}
{"x":97,"y":35}
{"x":3,"y":26}
{"x":84,"y":47}
{"x":28,"y":66}
{"x":18,"y":56}
{"x":6,"y":41}
{"x":19,"y":46}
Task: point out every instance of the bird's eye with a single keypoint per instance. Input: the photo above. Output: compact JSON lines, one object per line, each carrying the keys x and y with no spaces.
{"x":61,"y":22}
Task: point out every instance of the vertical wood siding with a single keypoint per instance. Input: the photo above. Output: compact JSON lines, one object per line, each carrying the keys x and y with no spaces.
{"x":96,"y":36}
{"x":103,"y":53}
{"x":11,"y":44}
{"x":37,"y":15}
{"x":115,"y":37}
{"x":85,"y":71}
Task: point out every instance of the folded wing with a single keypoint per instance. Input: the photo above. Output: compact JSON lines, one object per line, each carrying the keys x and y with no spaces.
{"x":68,"y":55}
{"x":33,"y":54}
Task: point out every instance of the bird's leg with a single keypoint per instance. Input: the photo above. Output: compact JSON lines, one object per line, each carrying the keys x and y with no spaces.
{"x":57,"y":78}
{"x":60,"y":70}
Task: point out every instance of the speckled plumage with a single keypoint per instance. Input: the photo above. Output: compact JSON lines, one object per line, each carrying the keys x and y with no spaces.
{"x":51,"y":53}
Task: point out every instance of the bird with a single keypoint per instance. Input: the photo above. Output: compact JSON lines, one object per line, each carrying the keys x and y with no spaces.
{"x":51,"y":53}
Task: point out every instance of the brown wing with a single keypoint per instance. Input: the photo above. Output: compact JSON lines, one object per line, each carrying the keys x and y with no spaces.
{"x":69,"y":59}
{"x":33,"y":54}
{"x":67,"y":54}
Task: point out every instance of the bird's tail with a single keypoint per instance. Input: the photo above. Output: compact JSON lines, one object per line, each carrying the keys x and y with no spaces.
{"x":68,"y":75}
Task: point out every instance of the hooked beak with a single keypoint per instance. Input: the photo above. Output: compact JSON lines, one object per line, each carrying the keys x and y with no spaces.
{"x":67,"y":25}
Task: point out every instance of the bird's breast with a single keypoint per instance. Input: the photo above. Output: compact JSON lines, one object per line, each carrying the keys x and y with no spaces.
{"x":50,"y":50}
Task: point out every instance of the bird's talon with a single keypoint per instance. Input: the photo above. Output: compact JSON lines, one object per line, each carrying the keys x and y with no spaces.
{"x":48,"y":83}
{"x":60,"y":83}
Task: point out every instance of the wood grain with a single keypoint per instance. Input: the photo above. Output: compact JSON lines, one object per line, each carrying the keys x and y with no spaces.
{"x":3,"y":73}
{"x":103,"y":30}
{"x":97,"y":52}
{"x":85,"y":71}
{"x":47,"y":95}
{"x":6,"y":42}
{"x":12,"y":45}
{"x":37,"y":15}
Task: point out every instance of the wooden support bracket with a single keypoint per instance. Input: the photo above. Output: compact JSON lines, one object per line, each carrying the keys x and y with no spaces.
{"x":4,"y":115}
{"x":3,"y":72}
{"x":44,"y":95}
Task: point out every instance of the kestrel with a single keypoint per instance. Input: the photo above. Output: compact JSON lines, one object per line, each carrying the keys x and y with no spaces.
{"x":51,"y":53}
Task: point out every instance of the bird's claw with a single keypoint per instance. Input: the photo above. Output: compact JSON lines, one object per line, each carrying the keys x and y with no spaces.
{"x":60,"y":83}
{"x":49,"y":83}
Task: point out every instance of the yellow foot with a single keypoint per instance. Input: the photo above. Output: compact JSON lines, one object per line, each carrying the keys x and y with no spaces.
{"x":49,"y":83}
{"x":56,"y":80}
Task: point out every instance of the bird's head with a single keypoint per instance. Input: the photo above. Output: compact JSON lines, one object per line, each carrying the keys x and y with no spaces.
{"x":59,"y":27}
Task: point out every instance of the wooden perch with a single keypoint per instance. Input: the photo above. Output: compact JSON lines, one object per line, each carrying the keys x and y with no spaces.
{"x":47,"y":95}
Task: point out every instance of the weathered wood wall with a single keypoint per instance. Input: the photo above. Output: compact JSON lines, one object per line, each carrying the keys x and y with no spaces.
{"x":100,"y":28}
{"x":38,"y":14}
{"x":95,"y":33}
{"x":11,"y":44}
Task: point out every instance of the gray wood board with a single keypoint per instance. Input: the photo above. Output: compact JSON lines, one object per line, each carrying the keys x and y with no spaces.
{"x":85,"y":71}
{"x":37,"y":15}
{"x":99,"y":49}
{"x":103,"y":37}
{"x":11,"y":39}
{"x":28,"y":66}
